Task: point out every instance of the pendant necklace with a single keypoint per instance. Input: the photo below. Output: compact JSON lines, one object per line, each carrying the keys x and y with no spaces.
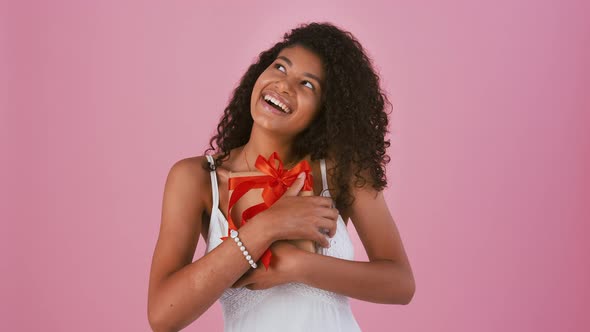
{"x":248,"y":164}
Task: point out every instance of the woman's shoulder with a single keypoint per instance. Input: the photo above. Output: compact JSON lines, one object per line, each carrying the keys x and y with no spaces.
{"x":192,"y":167}
{"x":330,"y":163}
{"x":199,"y":168}
{"x":193,"y":173}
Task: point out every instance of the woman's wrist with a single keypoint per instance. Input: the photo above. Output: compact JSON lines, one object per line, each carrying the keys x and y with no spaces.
{"x":302,"y":263}
{"x":263,"y":229}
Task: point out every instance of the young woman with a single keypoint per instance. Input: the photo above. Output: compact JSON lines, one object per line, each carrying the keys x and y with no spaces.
{"x":313,"y":96}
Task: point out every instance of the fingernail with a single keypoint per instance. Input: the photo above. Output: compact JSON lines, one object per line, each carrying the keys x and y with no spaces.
{"x":301,"y":175}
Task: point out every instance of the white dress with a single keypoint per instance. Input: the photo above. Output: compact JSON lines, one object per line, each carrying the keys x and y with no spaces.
{"x":287,"y":307}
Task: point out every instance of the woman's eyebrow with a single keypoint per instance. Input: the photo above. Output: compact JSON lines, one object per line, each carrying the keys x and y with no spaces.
{"x":284,"y":58}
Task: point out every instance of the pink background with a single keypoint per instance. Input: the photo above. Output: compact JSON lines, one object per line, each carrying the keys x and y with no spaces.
{"x":488,"y":184}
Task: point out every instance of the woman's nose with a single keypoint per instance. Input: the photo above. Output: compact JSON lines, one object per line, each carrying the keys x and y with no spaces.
{"x":284,"y":85}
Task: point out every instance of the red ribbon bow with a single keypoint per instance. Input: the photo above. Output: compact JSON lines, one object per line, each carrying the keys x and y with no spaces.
{"x":274,"y":183}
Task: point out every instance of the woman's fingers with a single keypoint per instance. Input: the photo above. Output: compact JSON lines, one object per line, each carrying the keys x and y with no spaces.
{"x":320,"y":201}
{"x":296,"y":186}
{"x":329,"y":213}
{"x":328,"y":225}
{"x":322,"y":240}
{"x":303,"y":217}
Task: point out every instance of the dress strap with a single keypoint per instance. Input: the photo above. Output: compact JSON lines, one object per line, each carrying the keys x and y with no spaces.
{"x":325,"y":192}
{"x":214,"y":185}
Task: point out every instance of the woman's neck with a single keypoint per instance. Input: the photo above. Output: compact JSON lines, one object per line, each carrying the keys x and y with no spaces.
{"x":264,"y":143}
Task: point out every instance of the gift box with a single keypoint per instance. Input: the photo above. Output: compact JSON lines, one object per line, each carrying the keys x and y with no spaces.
{"x":253,"y":192}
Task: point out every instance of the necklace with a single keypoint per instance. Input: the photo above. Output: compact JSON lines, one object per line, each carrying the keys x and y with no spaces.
{"x":246,"y":158}
{"x":248,"y":164}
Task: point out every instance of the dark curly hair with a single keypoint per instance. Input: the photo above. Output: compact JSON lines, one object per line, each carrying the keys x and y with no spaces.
{"x":352,"y":121}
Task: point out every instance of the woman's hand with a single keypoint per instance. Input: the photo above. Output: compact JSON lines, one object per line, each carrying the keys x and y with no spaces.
{"x":294,"y":217}
{"x":284,"y":268}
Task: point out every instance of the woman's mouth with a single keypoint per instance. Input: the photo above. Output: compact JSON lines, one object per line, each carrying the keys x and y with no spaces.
{"x":270,"y":107}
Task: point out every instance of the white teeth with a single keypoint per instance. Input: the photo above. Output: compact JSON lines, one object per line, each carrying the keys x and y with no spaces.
{"x":278,"y":103}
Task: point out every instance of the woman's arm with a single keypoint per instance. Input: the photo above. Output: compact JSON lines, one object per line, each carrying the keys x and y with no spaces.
{"x":378,"y":281}
{"x":387,"y":278}
{"x":181,"y":291}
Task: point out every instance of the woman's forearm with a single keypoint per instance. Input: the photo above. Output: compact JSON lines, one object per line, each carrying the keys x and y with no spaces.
{"x":381,"y":281}
{"x":185,"y":295}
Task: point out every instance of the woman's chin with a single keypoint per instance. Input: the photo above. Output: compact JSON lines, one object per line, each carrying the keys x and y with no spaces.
{"x":271,"y":124}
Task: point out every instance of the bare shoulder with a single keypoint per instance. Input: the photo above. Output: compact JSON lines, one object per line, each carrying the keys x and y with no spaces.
{"x":194,"y":165}
{"x":367,"y":187}
{"x":361,"y":191}
{"x":183,"y":204}
{"x":330,"y":164}
{"x":189,"y":179}
{"x":190,"y":168}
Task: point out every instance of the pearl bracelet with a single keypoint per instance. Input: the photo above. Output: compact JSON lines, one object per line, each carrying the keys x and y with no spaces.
{"x":234,"y":235}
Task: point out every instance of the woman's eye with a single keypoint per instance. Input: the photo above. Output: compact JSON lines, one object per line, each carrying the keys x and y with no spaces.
{"x":278,"y":65}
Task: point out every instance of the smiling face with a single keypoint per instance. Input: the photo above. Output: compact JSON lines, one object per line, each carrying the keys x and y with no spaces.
{"x":293,"y":84}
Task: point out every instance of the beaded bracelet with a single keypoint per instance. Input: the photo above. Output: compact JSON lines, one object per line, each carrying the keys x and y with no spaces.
{"x":234,"y":235}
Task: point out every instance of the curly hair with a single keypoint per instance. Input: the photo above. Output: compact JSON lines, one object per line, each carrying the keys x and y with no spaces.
{"x":352,"y":121}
